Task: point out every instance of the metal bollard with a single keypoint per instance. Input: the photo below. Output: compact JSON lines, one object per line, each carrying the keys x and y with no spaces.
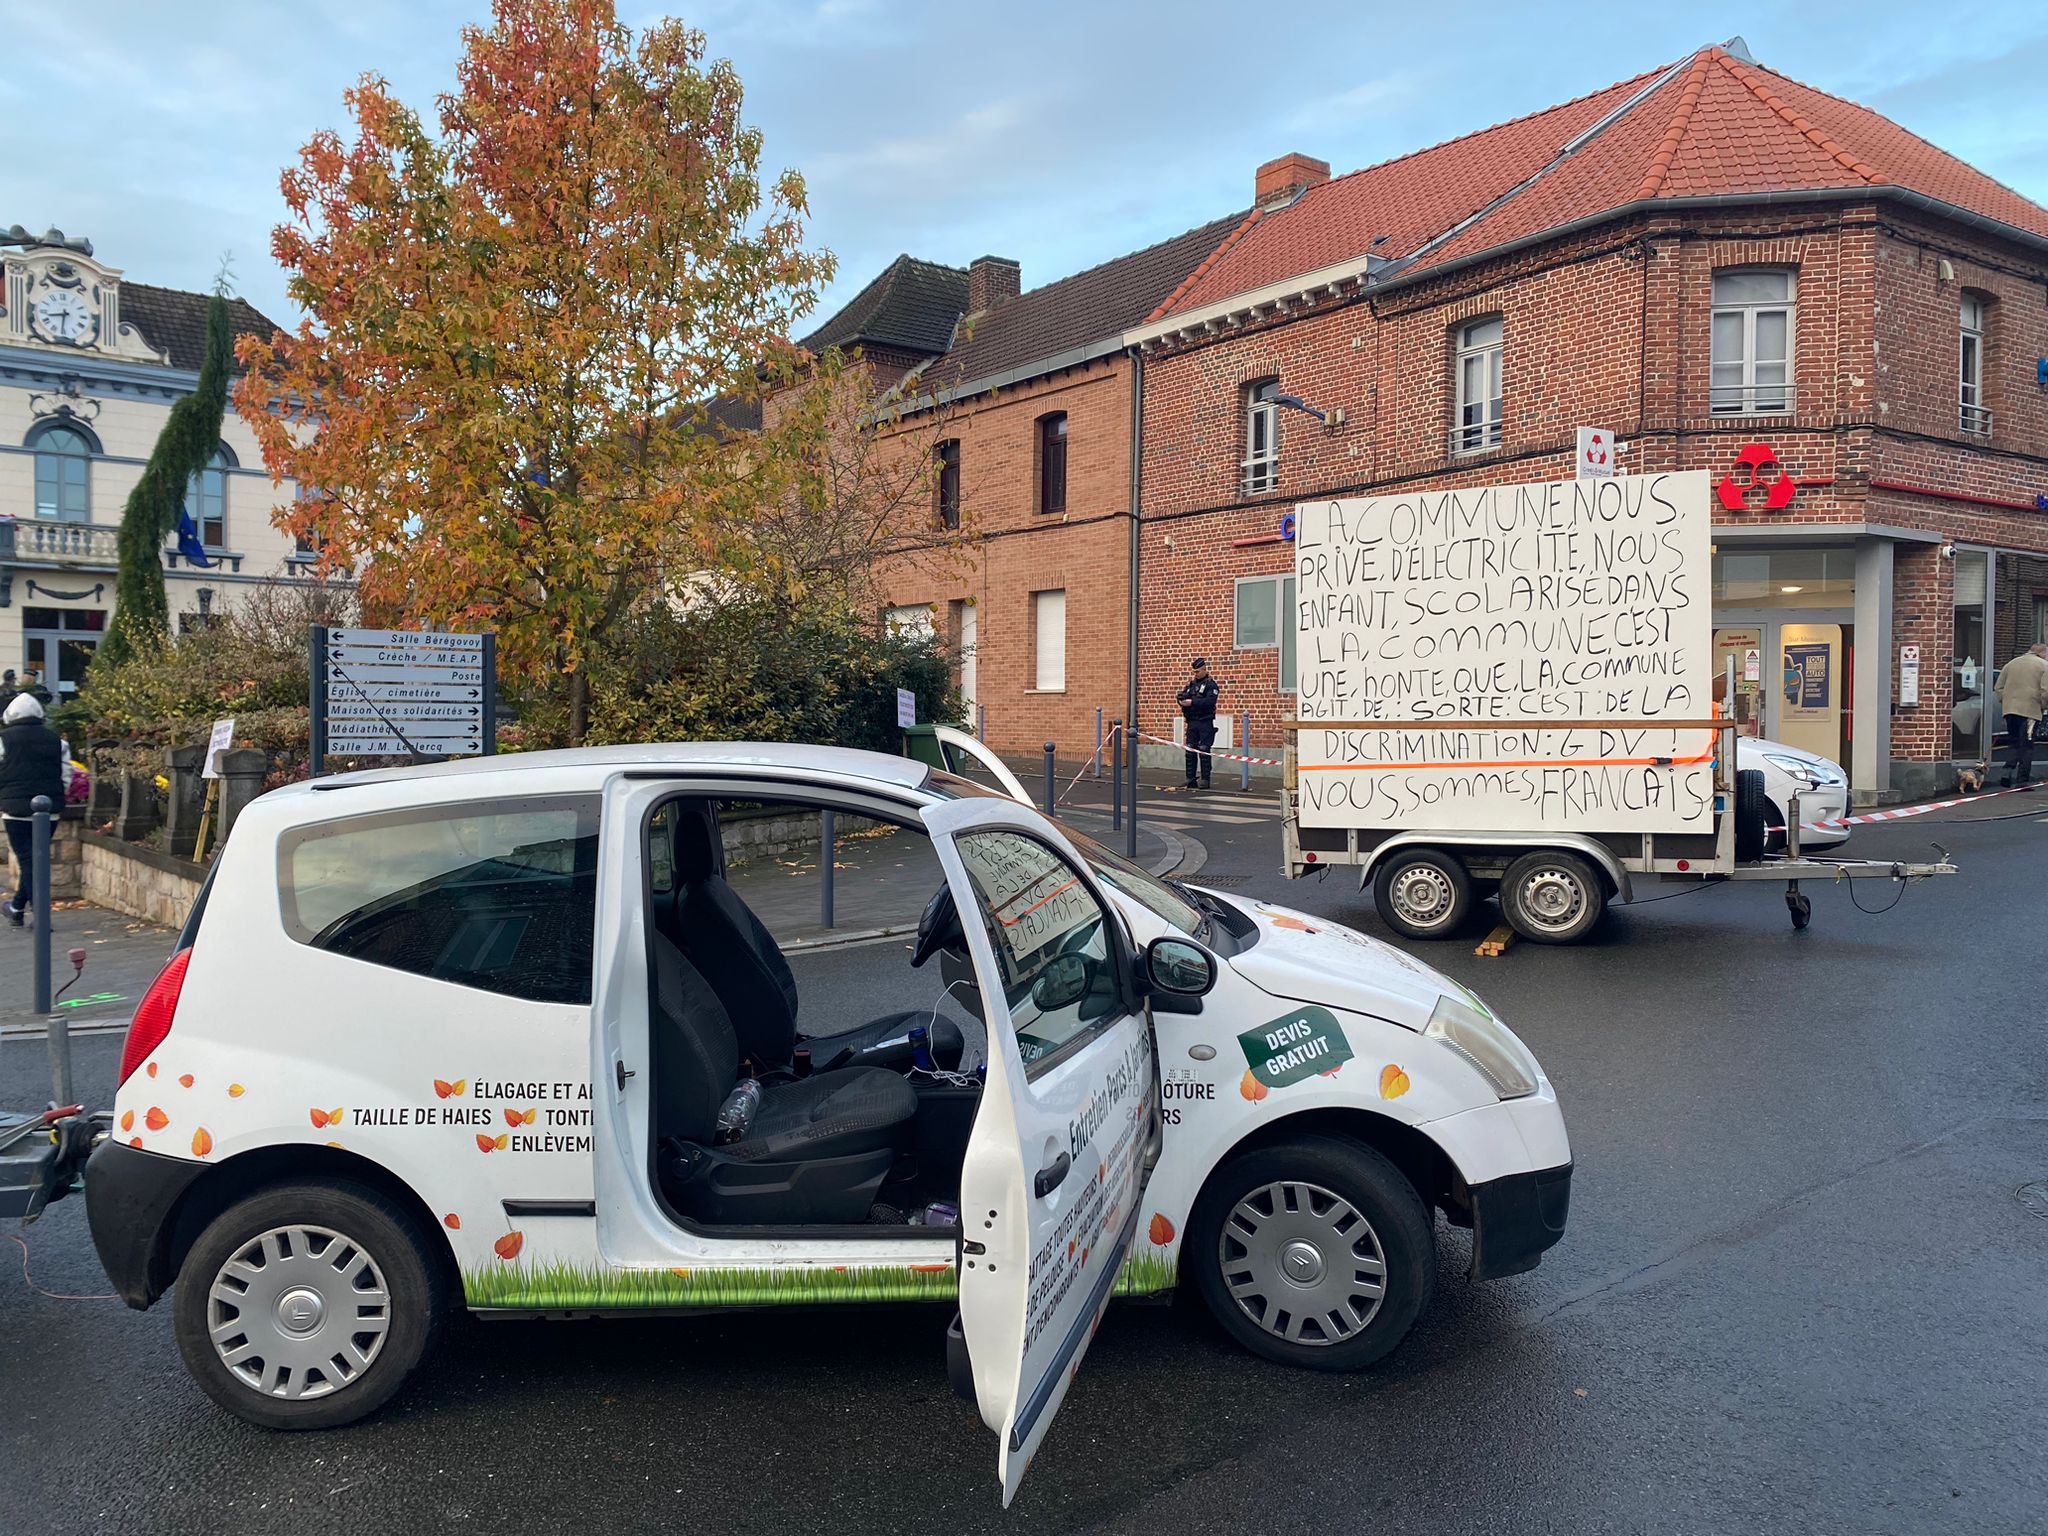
{"x":1098,"y":741}
{"x":981,"y":722}
{"x":828,"y":857}
{"x":1052,"y":787}
{"x":1116,"y":775}
{"x":1244,"y":753}
{"x":39,"y":898}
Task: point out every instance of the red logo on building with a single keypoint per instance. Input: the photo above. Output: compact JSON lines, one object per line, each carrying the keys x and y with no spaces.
{"x":1756,"y":470}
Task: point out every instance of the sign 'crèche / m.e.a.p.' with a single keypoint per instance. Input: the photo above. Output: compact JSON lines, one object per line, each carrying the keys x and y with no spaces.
{"x":1507,"y":657}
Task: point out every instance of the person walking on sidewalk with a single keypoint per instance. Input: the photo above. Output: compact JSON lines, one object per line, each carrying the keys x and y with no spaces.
{"x":1197,"y":703}
{"x":31,"y":763}
{"x":2023,"y":698}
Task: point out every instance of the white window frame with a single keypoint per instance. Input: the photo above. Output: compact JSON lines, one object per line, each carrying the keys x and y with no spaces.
{"x":912,"y":619}
{"x":1748,"y":391}
{"x":1476,"y":424}
{"x":1048,"y":669}
{"x":1282,"y":586}
{"x":1261,"y":464}
{"x":1972,"y":415}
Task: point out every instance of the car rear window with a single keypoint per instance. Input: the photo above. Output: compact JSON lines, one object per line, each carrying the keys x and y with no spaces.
{"x":499,"y":895}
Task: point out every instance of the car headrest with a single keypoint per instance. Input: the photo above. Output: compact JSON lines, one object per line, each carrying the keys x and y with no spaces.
{"x":700,"y":851}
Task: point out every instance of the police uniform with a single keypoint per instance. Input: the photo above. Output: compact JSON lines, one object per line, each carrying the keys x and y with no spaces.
{"x":1198,"y":708}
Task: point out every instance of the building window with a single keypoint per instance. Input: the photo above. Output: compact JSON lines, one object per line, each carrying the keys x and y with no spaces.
{"x":1052,"y":462}
{"x":63,"y":474}
{"x":948,"y":456}
{"x":911,"y":620}
{"x":206,"y":499}
{"x":1480,"y":345}
{"x":1049,"y":640}
{"x":1974,"y":416}
{"x":1261,"y":436}
{"x":1265,"y":621}
{"x":1752,"y":342}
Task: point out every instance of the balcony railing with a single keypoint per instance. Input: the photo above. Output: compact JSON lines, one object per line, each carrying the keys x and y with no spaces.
{"x":40,"y":542}
{"x":88,"y":546}
{"x":1975,"y":419}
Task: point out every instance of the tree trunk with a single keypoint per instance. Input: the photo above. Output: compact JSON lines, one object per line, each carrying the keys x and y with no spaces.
{"x":579,"y":706}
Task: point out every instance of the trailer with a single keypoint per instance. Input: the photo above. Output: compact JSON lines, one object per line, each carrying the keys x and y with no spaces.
{"x":1554,"y":886}
{"x":1510,"y":689}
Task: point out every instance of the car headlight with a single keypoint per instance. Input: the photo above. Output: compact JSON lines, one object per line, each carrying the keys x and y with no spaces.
{"x":1805,"y":772}
{"x":1487,"y":1043}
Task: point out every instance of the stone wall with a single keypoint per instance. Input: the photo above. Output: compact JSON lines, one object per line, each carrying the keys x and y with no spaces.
{"x":142,"y":882}
{"x":64,"y":863}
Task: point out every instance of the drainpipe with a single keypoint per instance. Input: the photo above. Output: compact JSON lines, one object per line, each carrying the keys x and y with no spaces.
{"x":1131,"y":680}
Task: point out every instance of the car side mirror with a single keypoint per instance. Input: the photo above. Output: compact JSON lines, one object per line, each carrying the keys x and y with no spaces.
{"x":1178,"y":974}
{"x":1062,"y":983}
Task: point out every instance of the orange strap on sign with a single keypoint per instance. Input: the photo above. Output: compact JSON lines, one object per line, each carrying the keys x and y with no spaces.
{"x":1522,"y":725}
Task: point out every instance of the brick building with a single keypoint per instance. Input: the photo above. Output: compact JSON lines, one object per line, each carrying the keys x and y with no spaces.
{"x":1722,"y":268}
{"x":1030,"y":417}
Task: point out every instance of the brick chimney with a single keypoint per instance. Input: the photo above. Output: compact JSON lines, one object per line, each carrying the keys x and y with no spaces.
{"x":992,"y":281}
{"x":1281,"y":181}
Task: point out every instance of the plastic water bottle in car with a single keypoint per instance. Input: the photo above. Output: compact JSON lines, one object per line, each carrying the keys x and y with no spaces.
{"x":737,"y":1112}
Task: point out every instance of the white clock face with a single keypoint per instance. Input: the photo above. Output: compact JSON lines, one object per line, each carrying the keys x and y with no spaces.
{"x":63,"y":315}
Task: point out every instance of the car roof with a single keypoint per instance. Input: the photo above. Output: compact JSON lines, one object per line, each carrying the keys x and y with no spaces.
{"x":801,"y":758}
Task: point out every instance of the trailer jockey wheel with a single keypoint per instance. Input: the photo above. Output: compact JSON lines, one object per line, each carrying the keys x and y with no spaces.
{"x":1799,"y":904}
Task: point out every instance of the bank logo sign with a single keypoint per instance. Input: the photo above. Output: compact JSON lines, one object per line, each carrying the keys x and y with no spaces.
{"x":1294,"y":1048}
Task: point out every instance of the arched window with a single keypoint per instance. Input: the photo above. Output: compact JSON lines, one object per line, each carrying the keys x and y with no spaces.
{"x":206,"y":498}
{"x":63,"y":473}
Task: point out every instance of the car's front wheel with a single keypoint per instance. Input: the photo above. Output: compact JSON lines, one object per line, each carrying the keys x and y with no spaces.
{"x":1314,"y":1253}
{"x":306,"y":1306}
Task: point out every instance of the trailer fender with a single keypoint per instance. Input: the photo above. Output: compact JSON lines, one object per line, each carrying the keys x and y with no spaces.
{"x":1602,"y":856}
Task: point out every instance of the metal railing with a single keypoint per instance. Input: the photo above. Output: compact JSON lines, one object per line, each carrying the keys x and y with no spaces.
{"x":1260,"y":474}
{"x":1475,"y":436}
{"x":1750,"y":399}
{"x":1974,"y":419}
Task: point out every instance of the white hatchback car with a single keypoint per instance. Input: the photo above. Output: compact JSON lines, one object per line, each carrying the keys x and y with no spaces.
{"x":501,"y":1033}
{"x":1822,"y":787}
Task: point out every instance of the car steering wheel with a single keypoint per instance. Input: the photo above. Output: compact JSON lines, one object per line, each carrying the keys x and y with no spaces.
{"x":939,"y":928}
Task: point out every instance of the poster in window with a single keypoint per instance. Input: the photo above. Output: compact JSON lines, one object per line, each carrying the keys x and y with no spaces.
{"x":1807,"y":676}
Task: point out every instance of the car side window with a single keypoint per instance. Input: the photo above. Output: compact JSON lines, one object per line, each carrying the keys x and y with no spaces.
{"x":661,"y":849}
{"x":1052,"y":942}
{"x":500,"y":895}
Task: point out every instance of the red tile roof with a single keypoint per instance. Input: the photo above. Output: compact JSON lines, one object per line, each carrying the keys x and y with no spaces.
{"x":1713,"y":124}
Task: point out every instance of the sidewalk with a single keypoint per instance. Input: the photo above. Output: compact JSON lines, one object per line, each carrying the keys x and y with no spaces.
{"x":122,"y":957}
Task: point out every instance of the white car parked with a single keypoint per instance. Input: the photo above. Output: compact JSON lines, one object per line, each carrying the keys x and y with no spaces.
{"x":500,"y":1033}
{"x":1822,"y":787}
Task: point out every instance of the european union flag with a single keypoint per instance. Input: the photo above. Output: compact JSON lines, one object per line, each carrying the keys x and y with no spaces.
{"x":188,"y":540}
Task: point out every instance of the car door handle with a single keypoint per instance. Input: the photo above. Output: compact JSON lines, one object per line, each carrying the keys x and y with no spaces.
{"x":1050,"y":1178}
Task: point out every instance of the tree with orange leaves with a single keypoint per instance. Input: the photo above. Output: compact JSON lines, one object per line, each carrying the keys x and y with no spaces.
{"x":518,"y":324}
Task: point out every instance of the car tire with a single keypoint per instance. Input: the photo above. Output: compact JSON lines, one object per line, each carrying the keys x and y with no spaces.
{"x":1749,"y":815}
{"x":1552,"y":897}
{"x":308,"y":1250}
{"x":1295,"y":1204}
{"x":1422,"y":893}
{"x":1774,"y":816}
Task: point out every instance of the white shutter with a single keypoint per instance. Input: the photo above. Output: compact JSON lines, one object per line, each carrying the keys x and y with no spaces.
{"x":1049,"y":622}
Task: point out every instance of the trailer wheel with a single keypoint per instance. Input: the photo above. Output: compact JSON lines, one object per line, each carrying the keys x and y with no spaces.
{"x":1552,"y":897}
{"x":1422,"y":893}
{"x":1749,"y":815}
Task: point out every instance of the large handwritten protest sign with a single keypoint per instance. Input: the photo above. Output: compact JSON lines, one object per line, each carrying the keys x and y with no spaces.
{"x":1470,"y":620}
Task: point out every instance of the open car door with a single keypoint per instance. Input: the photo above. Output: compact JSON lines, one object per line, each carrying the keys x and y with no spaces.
{"x":1056,"y":1165}
{"x":964,"y":753}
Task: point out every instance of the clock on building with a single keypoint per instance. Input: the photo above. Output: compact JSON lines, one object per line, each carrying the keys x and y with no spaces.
{"x":63,"y":315}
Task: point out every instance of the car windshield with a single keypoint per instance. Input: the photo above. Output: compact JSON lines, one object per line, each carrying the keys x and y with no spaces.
{"x":1132,"y":880}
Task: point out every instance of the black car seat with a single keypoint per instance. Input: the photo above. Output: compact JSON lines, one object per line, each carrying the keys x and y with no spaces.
{"x":819,"y":1147}
{"x":735,"y":953}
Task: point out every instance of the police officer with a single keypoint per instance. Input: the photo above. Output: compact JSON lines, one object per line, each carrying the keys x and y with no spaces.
{"x":1197,"y":703}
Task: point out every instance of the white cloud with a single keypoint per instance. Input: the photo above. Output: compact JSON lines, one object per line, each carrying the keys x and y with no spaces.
{"x":1367,"y":99}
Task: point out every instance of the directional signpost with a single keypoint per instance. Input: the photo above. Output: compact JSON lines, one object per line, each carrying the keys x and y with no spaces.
{"x":402,"y":693}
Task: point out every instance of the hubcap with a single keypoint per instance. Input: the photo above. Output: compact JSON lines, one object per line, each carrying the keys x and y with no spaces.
{"x":1302,"y":1263}
{"x":298,"y":1312}
{"x":1422,"y":894}
{"x":1551,"y":898}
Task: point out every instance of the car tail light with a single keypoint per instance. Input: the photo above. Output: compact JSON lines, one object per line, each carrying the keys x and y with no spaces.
{"x":153,"y":1016}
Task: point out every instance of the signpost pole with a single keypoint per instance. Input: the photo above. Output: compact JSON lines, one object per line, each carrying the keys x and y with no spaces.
{"x":318,"y":652}
{"x":39,"y":897}
{"x":490,"y":693}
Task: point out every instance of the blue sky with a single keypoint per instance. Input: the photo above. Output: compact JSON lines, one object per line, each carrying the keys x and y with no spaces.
{"x":1058,"y":134}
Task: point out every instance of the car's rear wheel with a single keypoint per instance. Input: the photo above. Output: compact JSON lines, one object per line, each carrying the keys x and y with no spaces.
{"x":1422,"y":893}
{"x":1314,"y":1253}
{"x":306,"y":1306}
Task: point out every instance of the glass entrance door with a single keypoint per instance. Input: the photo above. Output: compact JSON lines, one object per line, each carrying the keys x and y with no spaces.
{"x":57,"y":645}
{"x":1800,"y":692}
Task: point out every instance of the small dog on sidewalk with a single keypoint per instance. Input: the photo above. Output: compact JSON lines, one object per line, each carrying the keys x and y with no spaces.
{"x":1970,"y":781}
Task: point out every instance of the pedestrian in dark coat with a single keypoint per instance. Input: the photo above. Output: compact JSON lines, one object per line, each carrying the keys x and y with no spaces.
{"x":31,"y":764}
{"x":1197,"y":703}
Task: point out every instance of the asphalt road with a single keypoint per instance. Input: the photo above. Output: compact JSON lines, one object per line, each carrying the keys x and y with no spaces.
{"x":1798,"y":1292}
